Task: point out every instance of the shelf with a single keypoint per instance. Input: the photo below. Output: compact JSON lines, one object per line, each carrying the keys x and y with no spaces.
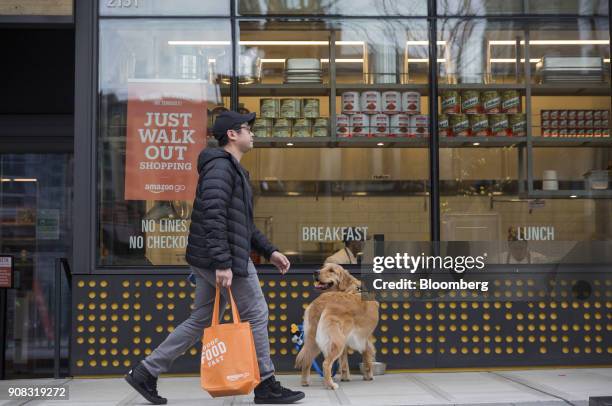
{"x":585,"y":89}
{"x":420,"y":87}
{"x":423,"y":142}
{"x":358,"y":142}
{"x":477,"y":86}
{"x":298,"y":142}
{"x":572,"y":142}
{"x":565,"y":194}
{"x":387,"y":141}
{"x":293,"y":89}
{"x":484,"y":142}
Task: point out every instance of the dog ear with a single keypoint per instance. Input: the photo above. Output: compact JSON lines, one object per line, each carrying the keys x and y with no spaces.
{"x":326,"y":266}
{"x":348,"y":283}
{"x":344,"y":280}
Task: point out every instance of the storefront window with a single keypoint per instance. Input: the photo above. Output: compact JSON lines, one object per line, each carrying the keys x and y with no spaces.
{"x":342,"y":134}
{"x":358,"y":165}
{"x":334,"y":7}
{"x":526,"y":146}
{"x":161,"y":84}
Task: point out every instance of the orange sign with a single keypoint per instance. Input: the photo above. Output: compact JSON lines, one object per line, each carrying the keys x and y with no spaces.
{"x":6,"y":271}
{"x":166,"y":132}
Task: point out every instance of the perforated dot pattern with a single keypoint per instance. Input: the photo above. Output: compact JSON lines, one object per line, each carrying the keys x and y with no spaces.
{"x":118,"y":320}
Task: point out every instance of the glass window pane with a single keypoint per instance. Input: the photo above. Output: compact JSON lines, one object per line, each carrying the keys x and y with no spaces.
{"x":509,"y":7}
{"x":305,"y":196}
{"x":163,"y":7}
{"x":160,"y":87}
{"x":313,"y":183}
{"x":480,"y":51}
{"x":579,"y":7}
{"x":382,"y":52}
{"x":35,"y":229}
{"x":483,"y":7}
{"x":265,"y":46}
{"x":538,"y":168}
{"x":334,"y":7}
{"x":571,"y":107}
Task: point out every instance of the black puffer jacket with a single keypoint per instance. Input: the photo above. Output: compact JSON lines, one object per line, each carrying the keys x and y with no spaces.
{"x":222,"y":231}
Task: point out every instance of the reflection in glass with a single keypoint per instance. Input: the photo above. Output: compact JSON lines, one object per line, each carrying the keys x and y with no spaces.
{"x":508,"y":7}
{"x":479,"y":51}
{"x":283,"y":53}
{"x":304,"y":195}
{"x":35,"y":229}
{"x":158,"y":53}
{"x":333,"y":7}
{"x":381,"y":52}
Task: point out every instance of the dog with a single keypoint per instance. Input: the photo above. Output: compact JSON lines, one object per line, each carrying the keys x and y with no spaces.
{"x":334,"y":321}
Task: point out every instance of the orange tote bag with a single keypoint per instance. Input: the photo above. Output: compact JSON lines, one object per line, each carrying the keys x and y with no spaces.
{"x":229,"y":361}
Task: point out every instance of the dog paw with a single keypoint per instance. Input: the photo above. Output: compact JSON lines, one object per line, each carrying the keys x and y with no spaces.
{"x":368,"y":378}
{"x":345,"y":378}
{"x":332,"y":385}
{"x":305,"y":383}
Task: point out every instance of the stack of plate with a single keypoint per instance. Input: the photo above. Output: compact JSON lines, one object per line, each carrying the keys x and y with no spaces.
{"x":303,"y":70}
{"x":557,"y":69}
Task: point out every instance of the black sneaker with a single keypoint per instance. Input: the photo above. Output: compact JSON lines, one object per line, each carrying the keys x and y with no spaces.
{"x":145,"y":383}
{"x":270,"y":391}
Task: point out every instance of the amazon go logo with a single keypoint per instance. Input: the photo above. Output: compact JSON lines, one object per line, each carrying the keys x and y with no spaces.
{"x":160,"y":188}
{"x":213,"y":351}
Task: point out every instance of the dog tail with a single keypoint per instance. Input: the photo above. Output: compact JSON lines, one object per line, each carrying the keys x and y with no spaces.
{"x":306,"y":355}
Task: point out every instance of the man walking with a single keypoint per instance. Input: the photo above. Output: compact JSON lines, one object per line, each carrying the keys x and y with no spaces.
{"x":221,"y":236}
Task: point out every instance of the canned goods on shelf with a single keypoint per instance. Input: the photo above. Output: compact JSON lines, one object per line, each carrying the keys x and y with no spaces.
{"x":302,"y":127}
{"x":451,"y":103}
{"x":479,"y":125}
{"x":491,"y":102}
{"x":320,"y":127}
{"x":419,"y":123}
{"x":391,"y":102}
{"x":511,"y":101}
{"x":499,"y":125}
{"x":411,"y":102}
{"x":311,"y":108}
{"x":518,"y":124}
{"x":282,"y":127}
{"x":460,"y":125}
{"x":470,"y":102}
{"x":379,"y":125}
{"x":343,"y":126}
{"x":290,"y":108}
{"x":360,"y":125}
{"x":371,"y":102}
{"x":269,"y":108}
{"x":262,"y":127}
{"x":350,"y":103}
{"x":444,"y":128}
{"x":399,"y":125}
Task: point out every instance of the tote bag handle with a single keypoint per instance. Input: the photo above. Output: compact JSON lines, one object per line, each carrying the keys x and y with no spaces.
{"x":215,"y":317}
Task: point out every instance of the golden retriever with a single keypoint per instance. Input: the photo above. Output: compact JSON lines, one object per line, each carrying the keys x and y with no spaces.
{"x":334,"y":321}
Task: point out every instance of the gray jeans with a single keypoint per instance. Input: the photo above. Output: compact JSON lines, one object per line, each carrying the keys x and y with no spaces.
{"x":252,"y":307}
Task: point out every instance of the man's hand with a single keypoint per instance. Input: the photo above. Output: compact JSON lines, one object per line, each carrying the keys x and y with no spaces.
{"x":224,"y":277}
{"x":280,"y":261}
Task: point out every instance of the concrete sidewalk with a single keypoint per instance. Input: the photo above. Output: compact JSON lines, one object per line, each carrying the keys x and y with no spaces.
{"x":536,"y":387}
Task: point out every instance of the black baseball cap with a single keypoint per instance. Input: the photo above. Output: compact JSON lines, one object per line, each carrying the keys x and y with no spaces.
{"x":228,"y":120}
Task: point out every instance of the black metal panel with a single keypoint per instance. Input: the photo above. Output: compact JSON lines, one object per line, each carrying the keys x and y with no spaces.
{"x":84,"y":130}
{"x":119,"y":319}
